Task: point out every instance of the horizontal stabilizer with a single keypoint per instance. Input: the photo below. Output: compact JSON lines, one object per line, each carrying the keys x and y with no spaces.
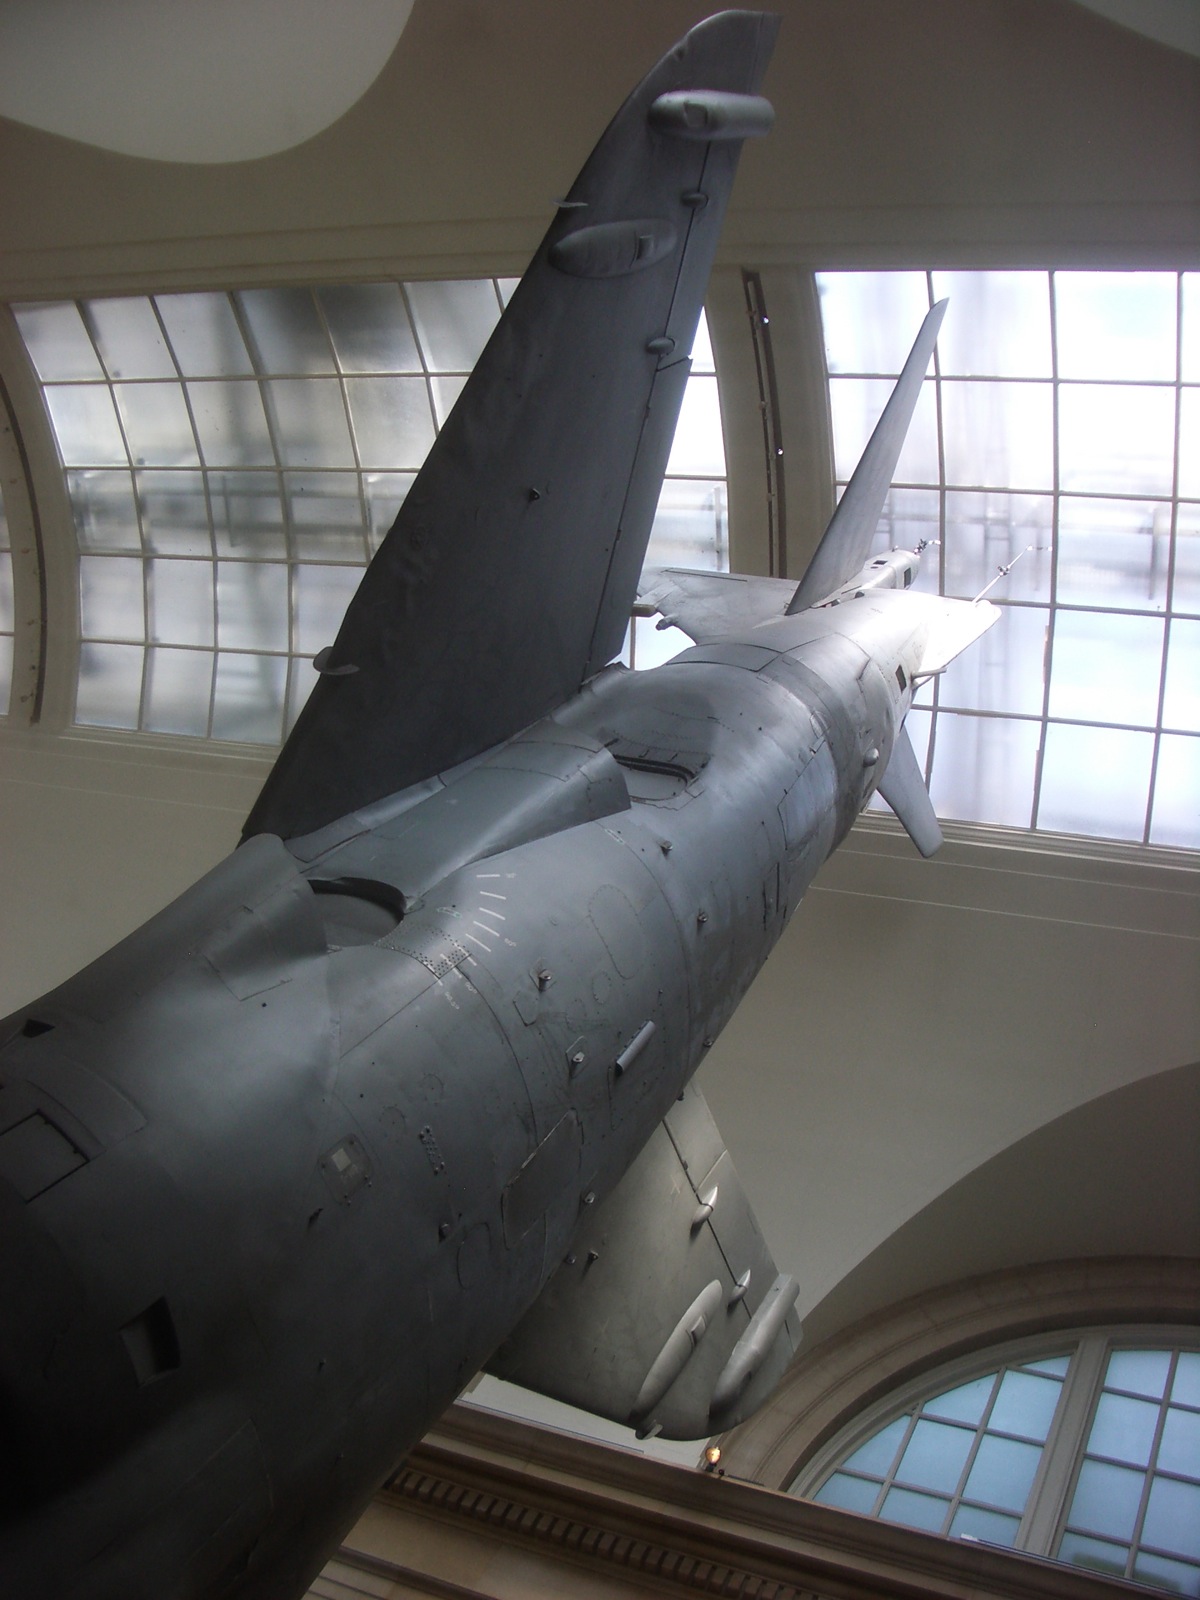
{"x":846,"y":542}
{"x":953,"y":625}
{"x":903,"y":787}
{"x":509,"y":574}
{"x":669,"y":1315}
{"x":711,"y":605}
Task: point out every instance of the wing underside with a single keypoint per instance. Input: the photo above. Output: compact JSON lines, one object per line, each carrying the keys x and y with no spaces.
{"x":669,"y":1315}
{"x":509,"y":574}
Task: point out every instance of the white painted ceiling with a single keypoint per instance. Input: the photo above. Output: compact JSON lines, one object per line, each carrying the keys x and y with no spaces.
{"x":192,"y":80}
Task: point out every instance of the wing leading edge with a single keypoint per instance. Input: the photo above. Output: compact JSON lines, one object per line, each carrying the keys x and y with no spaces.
{"x":509,"y":574}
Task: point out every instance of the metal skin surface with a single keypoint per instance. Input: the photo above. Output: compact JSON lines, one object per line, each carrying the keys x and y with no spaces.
{"x":283,"y":1170}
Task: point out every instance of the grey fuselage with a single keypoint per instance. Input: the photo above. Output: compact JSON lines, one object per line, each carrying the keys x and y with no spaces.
{"x":292,"y":1160}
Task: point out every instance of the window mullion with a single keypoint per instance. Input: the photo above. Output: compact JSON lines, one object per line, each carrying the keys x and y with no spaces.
{"x":1049,"y":1497}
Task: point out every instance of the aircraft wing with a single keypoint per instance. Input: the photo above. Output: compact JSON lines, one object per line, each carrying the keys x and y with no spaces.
{"x":669,"y":1315}
{"x":709,"y":605}
{"x":509,"y":574}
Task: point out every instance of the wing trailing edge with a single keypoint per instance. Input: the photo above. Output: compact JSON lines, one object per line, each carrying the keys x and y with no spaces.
{"x":509,"y":574}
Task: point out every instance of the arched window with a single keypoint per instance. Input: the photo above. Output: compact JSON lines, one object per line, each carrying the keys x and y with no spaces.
{"x":1084,"y":1447}
{"x":232,"y":462}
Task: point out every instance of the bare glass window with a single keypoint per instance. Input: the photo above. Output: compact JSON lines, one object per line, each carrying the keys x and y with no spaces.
{"x":1087,"y":1451}
{"x":234,"y":460}
{"x":1056,"y":442}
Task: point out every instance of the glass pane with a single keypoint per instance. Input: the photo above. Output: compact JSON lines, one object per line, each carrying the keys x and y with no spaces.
{"x":1095,"y":780}
{"x":1106,"y":1499}
{"x":871,"y":318}
{"x":966,"y":1403}
{"x":1186,"y":592}
{"x":1176,"y":816}
{"x":105,"y":515}
{"x":1185,"y":1391}
{"x":1177,"y":1577}
{"x":1115,"y":324}
{"x":252,"y":605}
{"x":385,"y":493}
{"x":369,"y":328}
{"x":1181,"y":703}
{"x":1002,"y":1473}
{"x":302,"y":680}
{"x":1190,"y":330}
{"x":178,"y":686}
{"x":1173,"y":1518}
{"x":1189,"y":443}
{"x":158,"y":429}
{"x":990,"y":1527}
{"x":999,"y":435}
{"x":1003,"y":671}
{"x":1097,"y":1555}
{"x":285,"y":332}
{"x":249,"y":698}
{"x":174,"y":513}
{"x":914,"y":1510}
{"x":1139,"y":1372}
{"x":446,"y":390}
{"x":997,"y":324}
{"x":850,"y":1494}
{"x":393,"y":425}
{"x":110,"y":597}
{"x":1056,"y":1366}
{"x":654,"y":646}
{"x":1025,"y":1405}
{"x":320,"y":600}
{"x":857,"y":404}
{"x":1114,"y":553}
{"x":935,"y":1456}
{"x":110,"y":685}
{"x":204,"y":335}
{"x":454,"y":321}
{"x":85,"y":425}
{"x":699,"y":446}
{"x":57,"y":341}
{"x":129,"y":338}
{"x":310,"y":422}
{"x":6,"y":593}
{"x":231,"y":424}
{"x":702,"y":352}
{"x":1106,"y":668}
{"x":987,"y":531}
{"x":1116,"y":439}
{"x":877,"y":1455}
{"x":690,"y":526}
{"x":1124,"y":1429}
{"x":180,"y":601}
{"x":247,"y":513}
{"x":326,"y":516}
{"x":1179,"y":1450}
{"x":507,"y":288}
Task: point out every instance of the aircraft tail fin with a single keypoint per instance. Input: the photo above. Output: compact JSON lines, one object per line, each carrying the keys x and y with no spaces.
{"x":846,"y":542}
{"x":508,"y":577}
{"x":903,"y":787}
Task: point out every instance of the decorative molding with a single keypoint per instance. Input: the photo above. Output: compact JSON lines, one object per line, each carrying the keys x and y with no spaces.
{"x":493,"y":1506}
